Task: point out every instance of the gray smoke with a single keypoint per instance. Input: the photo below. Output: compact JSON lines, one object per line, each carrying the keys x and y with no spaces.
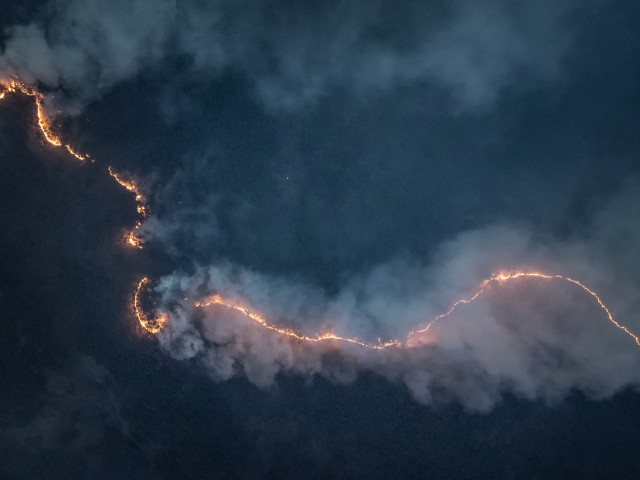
{"x":87,"y":47}
{"x":538,"y":338}
{"x":293,"y":53}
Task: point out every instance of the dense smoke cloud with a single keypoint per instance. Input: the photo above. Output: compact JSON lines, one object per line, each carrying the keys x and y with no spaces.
{"x":538,"y":338}
{"x":293,"y":53}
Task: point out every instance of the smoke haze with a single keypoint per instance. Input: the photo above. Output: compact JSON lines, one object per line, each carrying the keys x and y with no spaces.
{"x":536,"y":338}
{"x":293,"y":53}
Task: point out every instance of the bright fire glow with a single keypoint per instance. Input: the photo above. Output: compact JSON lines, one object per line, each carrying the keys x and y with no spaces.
{"x":503,"y":277}
{"x":217,"y":300}
{"x":42,"y":119}
{"x":130,"y":185}
{"x":151,"y":325}
{"x":77,"y":155}
{"x":50,"y":137}
{"x":156,"y":324}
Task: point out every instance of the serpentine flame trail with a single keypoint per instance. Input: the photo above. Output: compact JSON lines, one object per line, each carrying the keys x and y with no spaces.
{"x":156,"y":324}
{"x":217,"y":300}
{"x":142,"y":210}
{"x":510,"y":276}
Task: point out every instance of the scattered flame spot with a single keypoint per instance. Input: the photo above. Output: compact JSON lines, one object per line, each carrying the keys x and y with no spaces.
{"x":134,"y":241}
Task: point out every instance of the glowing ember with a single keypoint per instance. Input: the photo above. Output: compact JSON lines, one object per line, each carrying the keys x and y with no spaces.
{"x":331,"y":336}
{"x":151,"y":325}
{"x":133,"y":240}
{"x":503,"y":277}
{"x":77,"y":155}
{"x":292,"y":333}
{"x":42,"y":119}
{"x":130,"y":185}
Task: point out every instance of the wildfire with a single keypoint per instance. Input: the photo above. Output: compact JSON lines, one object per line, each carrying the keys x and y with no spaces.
{"x":290,"y":332}
{"x":77,"y":155}
{"x":503,"y":277}
{"x":133,"y":240}
{"x":150,"y":325}
{"x":42,"y":119}
{"x":55,"y":141}
{"x":130,"y":185}
{"x":156,"y":324}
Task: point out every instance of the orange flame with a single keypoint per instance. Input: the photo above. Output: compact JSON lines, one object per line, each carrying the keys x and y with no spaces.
{"x":129,"y":185}
{"x":293,"y":333}
{"x":55,"y":141}
{"x":503,"y":277}
{"x":510,"y":276}
{"x":42,"y":119}
{"x":131,"y":239}
{"x":150,"y":325}
{"x":141,"y":208}
{"x":77,"y":155}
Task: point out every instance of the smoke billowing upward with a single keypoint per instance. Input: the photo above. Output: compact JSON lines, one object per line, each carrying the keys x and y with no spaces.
{"x":535,"y":337}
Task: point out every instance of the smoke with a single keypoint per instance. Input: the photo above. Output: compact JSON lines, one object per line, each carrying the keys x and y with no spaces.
{"x":86,"y":48}
{"x":292,"y":53}
{"x":298,"y":53}
{"x":538,"y":338}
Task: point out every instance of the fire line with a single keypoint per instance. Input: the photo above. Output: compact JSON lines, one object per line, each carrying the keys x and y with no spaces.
{"x":156,"y":324}
{"x":295,"y":335}
{"x":42,"y":120}
{"x":50,"y":137}
{"x":141,"y":208}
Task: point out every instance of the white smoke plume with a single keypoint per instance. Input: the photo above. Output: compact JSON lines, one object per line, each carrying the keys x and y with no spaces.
{"x":535,"y":337}
{"x":292,"y":53}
